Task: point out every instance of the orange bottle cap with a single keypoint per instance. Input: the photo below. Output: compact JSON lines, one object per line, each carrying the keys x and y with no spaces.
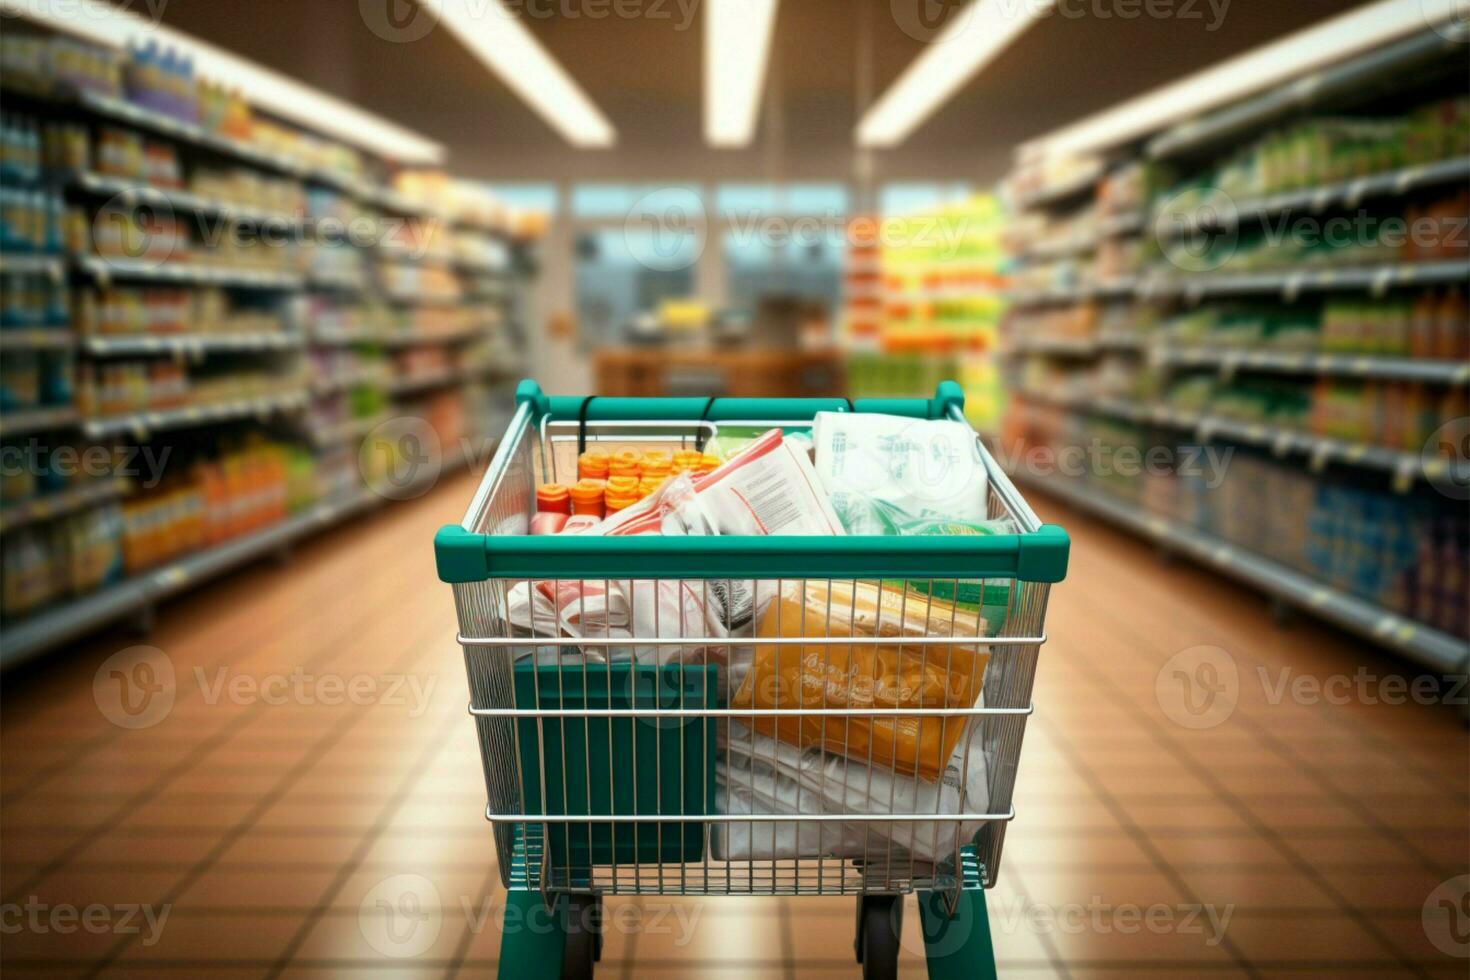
{"x":587,"y":497}
{"x":593,"y":464}
{"x":553,"y":497}
{"x":617,"y":501}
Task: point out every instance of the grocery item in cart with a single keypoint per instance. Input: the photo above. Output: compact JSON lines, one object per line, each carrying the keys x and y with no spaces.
{"x":887,"y":675}
{"x":923,"y":468}
{"x":756,"y":774}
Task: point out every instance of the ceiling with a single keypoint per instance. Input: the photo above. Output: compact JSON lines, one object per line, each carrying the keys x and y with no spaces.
{"x":830,"y":57}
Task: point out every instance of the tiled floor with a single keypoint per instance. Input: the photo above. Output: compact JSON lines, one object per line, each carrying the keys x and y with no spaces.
{"x":263,"y":813}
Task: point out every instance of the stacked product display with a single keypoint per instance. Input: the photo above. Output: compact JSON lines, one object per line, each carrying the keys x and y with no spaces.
{"x":205,"y":316}
{"x":1279,"y":288}
{"x":925,"y":295}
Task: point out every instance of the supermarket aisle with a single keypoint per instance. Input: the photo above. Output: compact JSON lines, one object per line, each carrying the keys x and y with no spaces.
{"x":1289,"y":839}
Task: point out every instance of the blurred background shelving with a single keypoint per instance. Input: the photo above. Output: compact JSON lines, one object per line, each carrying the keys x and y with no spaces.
{"x":276,"y":320}
{"x":1182,"y":292}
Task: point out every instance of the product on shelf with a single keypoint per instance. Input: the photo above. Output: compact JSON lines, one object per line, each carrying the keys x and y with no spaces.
{"x":36,"y":379}
{"x":119,"y":387}
{"x":150,"y":311}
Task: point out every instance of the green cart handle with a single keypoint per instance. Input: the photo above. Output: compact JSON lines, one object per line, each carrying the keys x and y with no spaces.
{"x":464,"y":556}
{"x":597,"y":408}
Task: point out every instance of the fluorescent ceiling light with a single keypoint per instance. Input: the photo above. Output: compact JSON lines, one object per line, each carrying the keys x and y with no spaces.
{"x":737,"y":48}
{"x":102,"y":23}
{"x":496,"y":36}
{"x":1308,"y":49}
{"x":970,"y":40}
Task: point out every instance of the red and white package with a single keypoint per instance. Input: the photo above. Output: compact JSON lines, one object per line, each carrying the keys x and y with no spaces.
{"x":768,"y":488}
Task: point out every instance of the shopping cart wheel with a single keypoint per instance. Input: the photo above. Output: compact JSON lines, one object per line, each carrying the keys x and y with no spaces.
{"x":583,"y":937}
{"x":879,"y":922}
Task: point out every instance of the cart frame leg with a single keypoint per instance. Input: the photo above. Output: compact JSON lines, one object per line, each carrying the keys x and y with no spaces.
{"x":532,"y":937}
{"x":957,"y":947}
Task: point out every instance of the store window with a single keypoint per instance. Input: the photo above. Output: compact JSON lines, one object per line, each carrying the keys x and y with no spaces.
{"x":541,"y":198}
{"x":782,"y":243}
{"x":636,"y":247}
{"x":616,"y":281}
{"x":908,"y":198}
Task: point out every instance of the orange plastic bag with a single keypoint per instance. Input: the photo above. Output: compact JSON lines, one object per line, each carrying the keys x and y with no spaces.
{"x":832,"y":675}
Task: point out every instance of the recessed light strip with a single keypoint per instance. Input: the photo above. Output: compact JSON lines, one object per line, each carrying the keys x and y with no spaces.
{"x":273,"y":92}
{"x":1297,"y":53}
{"x":737,"y":49}
{"x":970,"y":40}
{"x":496,"y":37}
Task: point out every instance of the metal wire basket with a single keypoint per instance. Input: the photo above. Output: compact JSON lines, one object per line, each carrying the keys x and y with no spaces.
{"x":686,"y":759}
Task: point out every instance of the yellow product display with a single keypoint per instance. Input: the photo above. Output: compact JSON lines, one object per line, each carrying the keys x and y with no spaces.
{"x":820,"y":675}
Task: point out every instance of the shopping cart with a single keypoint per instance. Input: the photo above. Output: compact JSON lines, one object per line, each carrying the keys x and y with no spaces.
{"x":619,"y":764}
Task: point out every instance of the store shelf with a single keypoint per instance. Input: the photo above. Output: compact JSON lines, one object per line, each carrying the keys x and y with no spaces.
{"x":436,"y":379}
{"x":136,"y":192}
{"x":425,"y":339}
{"x":348,"y":282}
{"x":1320,"y":451}
{"x":1061,"y":193}
{"x":376,"y":377}
{"x":52,"y":338}
{"x":1049,"y":251}
{"x":1119,"y":225}
{"x":190,"y":344}
{"x":30,"y":635}
{"x":1331,"y":84}
{"x":1290,"y":283}
{"x":1228,"y":361}
{"x":1344,"y":194}
{"x":344,"y":338}
{"x":141,"y":423}
{"x":422,"y":299}
{"x":30,"y":420}
{"x":187,"y":272}
{"x":1433,"y":648}
{"x":1064,"y":346}
{"x":345,"y":432}
{"x":1073,"y":294}
{"x":46,"y":507}
{"x":33,"y":263}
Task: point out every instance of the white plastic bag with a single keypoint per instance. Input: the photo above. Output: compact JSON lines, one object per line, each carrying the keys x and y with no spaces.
{"x":763,"y":775}
{"x":921,"y":468}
